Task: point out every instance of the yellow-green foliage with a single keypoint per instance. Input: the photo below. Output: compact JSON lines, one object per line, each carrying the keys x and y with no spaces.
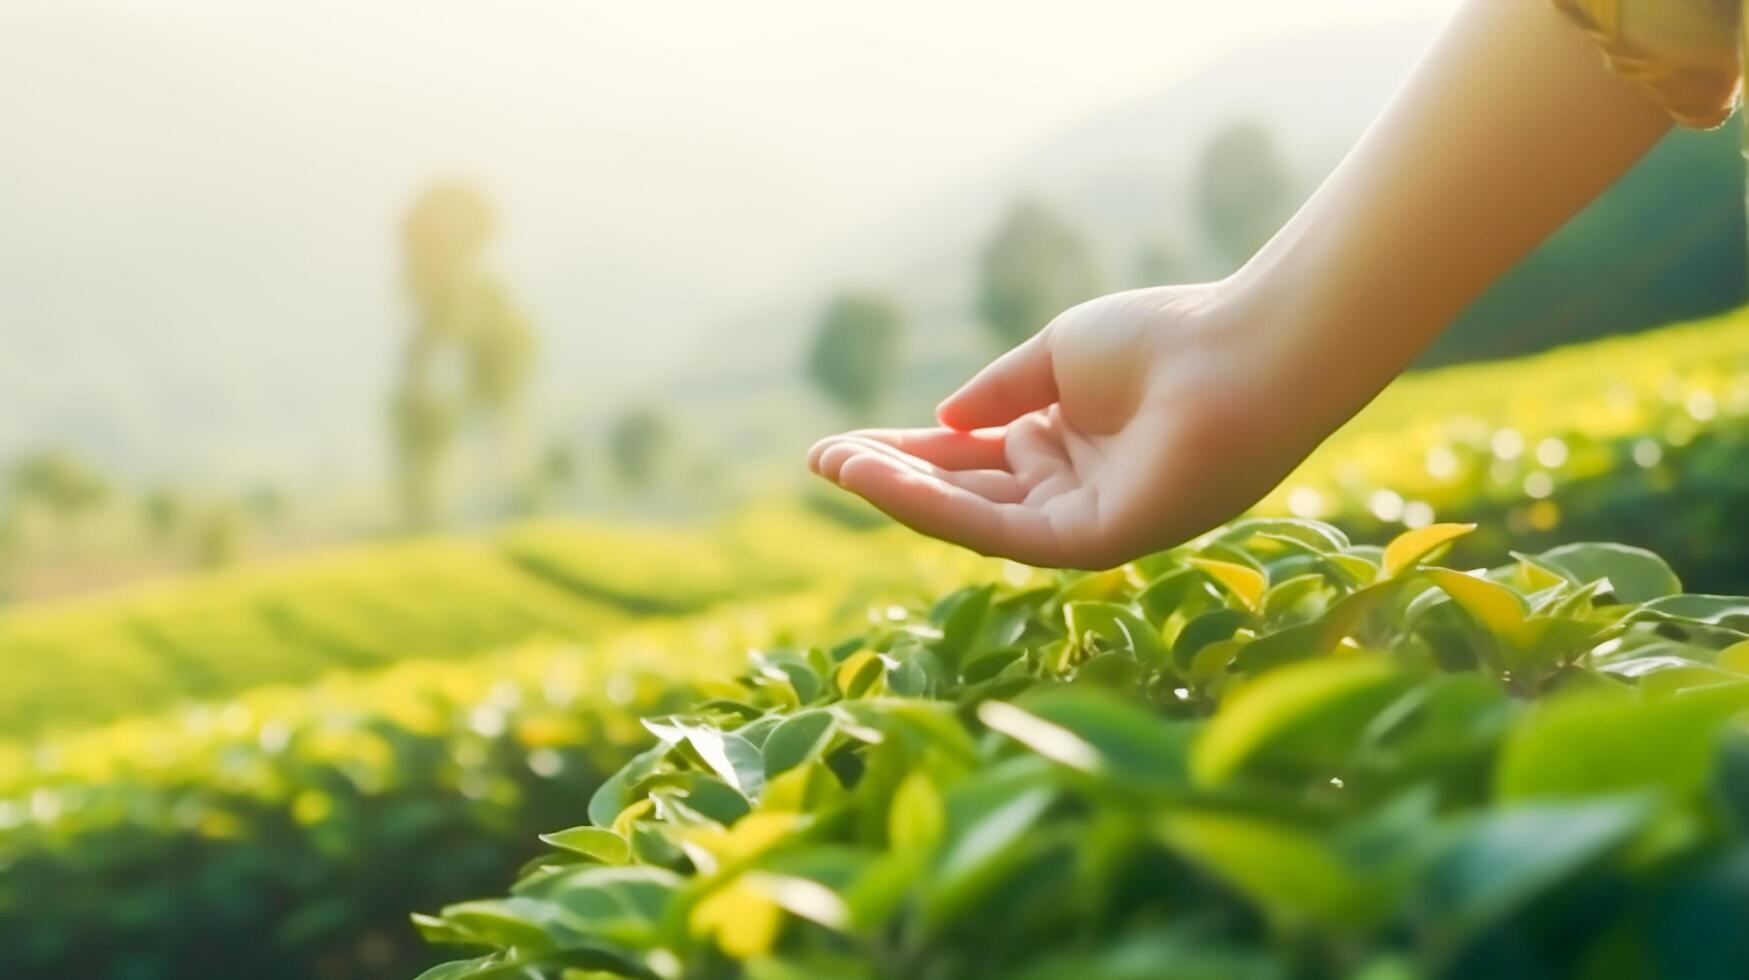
{"x":1442,"y":437}
{"x":161,"y":776}
{"x":74,"y":663}
{"x":675,"y":569}
{"x":310,"y":816}
{"x":1268,"y":753}
{"x":87,"y":660}
{"x":543,"y":695}
{"x":1635,"y":439}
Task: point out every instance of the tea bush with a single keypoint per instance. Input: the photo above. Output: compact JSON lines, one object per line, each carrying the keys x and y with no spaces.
{"x":1635,"y":439}
{"x":283,"y":832}
{"x":92,"y":660}
{"x":1270,"y":753}
{"x":304,"y":820}
{"x":211,"y":637}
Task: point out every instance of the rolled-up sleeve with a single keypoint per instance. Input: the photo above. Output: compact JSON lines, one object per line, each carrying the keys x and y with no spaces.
{"x":1686,"y":52}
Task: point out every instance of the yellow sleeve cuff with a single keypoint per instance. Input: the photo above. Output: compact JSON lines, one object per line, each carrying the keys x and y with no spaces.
{"x":1684,"y":52}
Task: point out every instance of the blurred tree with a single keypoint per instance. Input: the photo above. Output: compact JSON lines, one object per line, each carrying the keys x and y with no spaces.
{"x":59,"y":483}
{"x":1243,"y":190}
{"x":219,"y":535}
{"x":499,"y":350}
{"x":423,"y":423}
{"x":856,"y":352}
{"x":637,"y":441}
{"x":163,"y":510}
{"x":464,"y":314}
{"x":266,"y":503}
{"x":559,"y":467}
{"x":11,"y":542}
{"x":552,"y":481}
{"x":1033,"y":268}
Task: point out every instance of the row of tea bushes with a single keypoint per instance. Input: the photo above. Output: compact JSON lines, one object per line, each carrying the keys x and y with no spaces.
{"x":1681,"y":500}
{"x":282,"y":833}
{"x":67,"y":664}
{"x":657,"y":570}
{"x":1267,"y":754}
{"x":1640,"y":439}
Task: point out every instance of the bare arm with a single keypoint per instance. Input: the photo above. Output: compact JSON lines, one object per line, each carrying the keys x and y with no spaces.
{"x":1509,"y":126}
{"x":1140,"y":419}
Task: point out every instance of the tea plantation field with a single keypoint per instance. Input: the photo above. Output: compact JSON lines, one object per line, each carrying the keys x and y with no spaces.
{"x":1271,"y":753}
{"x":1280,"y":751}
{"x":66,"y":664}
{"x":284,"y":829}
{"x":1639,"y":439}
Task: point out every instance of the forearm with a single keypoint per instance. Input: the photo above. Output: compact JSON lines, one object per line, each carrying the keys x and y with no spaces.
{"x":1508,"y":127}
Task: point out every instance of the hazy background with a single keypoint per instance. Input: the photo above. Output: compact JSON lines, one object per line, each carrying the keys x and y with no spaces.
{"x":201,"y":256}
{"x":199,"y":200}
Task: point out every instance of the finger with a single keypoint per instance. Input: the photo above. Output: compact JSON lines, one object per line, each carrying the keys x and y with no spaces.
{"x":946,"y":448}
{"x":1020,"y":381}
{"x":833,"y":455}
{"x":941,"y":510}
{"x":997,"y":485}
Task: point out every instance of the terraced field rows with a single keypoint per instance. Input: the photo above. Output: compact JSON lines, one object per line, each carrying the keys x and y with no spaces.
{"x":80,"y":662}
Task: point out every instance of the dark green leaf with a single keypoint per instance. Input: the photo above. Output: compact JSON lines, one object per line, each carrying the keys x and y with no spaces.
{"x":1498,"y":861}
{"x":616,"y":793}
{"x":1635,"y":574}
{"x":800,"y":738}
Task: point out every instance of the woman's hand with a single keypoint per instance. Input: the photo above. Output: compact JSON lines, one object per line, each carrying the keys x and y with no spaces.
{"x":1130,"y":423}
{"x":1137,"y":420}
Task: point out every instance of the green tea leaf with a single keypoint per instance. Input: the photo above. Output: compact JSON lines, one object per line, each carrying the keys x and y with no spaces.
{"x":1172,"y":591}
{"x":856,"y":675}
{"x":1163,"y":954}
{"x":981,"y":850}
{"x":918,"y":674}
{"x":735,"y":760}
{"x":1411,"y":547}
{"x":508,"y":923}
{"x":1309,"y":709}
{"x":1291,"y":874}
{"x":1097,"y":733}
{"x":1497,"y":861}
{"x":1603,"y":744}
{"x":1210,"y":627}
{"x":1635,"y":574}
{"x":961,"y":625}
{"x":1119,"y":627}
{"x":1317,"y":638}
{"x":1246,"y":584}
{"x":1495,"y":607}
{"x":800,"y":738}
{"x":917,"y":818}
{"x":700,"y":795}
{"x":616,"y":793}
{"x":1313,"y":534}
{"x":602,"y":845}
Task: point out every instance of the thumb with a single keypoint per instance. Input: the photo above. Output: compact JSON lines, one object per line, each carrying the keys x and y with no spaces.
{"x":1020,"y":381}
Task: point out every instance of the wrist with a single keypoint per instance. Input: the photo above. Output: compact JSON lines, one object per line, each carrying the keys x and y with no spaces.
{"x":1319,"y":323}
{"x":1333,"y":295}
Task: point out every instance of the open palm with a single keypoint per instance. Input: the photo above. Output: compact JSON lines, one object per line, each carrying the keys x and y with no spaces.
{"x":1097,"y":440}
